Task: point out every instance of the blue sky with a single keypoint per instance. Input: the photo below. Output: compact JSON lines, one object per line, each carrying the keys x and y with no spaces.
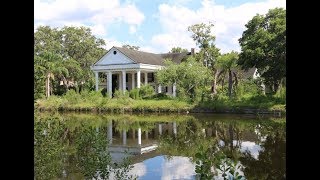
{"x":154,"y":25}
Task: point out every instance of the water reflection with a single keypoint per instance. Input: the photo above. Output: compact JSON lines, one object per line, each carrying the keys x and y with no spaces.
{"x":86,"y":146}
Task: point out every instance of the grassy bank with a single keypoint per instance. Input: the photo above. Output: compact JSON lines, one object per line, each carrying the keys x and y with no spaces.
{"x":94,"y":101}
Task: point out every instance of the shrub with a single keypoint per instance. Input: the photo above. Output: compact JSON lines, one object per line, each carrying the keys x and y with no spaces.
{"x":135,"y":93}
{"x":72,"y":97}
{"x":146,"y":91}
{"x":160,"y":96}
{"x":120,"y":95}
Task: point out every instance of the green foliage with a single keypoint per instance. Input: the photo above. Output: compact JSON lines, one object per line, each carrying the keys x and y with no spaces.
{"x":135,"y":93}
{"x":94,"y":158}
{"x":202,"y":34}
{"x":188,"y":76}
{"x":146,"y":91}
{"x":226,"y":63}
{"x":48,"y":147}
{"x":263,"y":45}
{"x":64,"y":146}
{"x":161,"y":96}
{"x":118,"y":94}
{"x":248,"y":88}
{"x":178,"y":50}
{"x":65,"y":54}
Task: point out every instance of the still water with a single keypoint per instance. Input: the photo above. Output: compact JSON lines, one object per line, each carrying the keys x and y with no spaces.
{"x":152,"y":146}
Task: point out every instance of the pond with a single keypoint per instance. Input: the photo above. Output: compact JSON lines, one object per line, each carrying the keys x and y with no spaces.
{"x":159,"y":146}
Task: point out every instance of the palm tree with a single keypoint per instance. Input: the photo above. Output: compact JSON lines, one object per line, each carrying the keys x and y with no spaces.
{"x":51,"y":65}
{"x":226,"y":63}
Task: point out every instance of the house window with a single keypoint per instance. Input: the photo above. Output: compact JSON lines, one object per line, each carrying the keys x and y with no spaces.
{"x":150,"y":77}
{"x":114,"y":52}
{"x":127,"y":80}
{"x":166,"y":89}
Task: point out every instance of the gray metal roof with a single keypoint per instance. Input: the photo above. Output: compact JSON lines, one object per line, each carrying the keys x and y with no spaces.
{"x":151,"y":58}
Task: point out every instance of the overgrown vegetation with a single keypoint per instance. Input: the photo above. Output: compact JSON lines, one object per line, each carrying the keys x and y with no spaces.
{"x":205,"y":81}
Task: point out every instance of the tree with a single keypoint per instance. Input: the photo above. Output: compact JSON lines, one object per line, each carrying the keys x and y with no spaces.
{"x":226,"y":63}
{"x":136,"y":48}
{"x":78,"y":50}
{"x":50,"y":64}
{"x":201,"y":33}
{"x":190,"y":76}
{"x":178,"y":50}
{"x":263,"y":45}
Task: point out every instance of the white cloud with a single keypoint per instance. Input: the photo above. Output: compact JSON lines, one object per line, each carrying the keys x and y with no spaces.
{"x":97,"y":14}
{"x":112,"y":42}
{"x":229,"y":23}
{"x":99,"y":29}
{"x":177,"y":168}
{"x":132,"y":29}
{"x":139,"y":169}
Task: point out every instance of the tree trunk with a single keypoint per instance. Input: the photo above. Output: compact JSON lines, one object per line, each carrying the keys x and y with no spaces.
{"x":231,"y":136}
{"x":48,"y":85}
{"x":230,"y":83}
{"x":214,"y":89}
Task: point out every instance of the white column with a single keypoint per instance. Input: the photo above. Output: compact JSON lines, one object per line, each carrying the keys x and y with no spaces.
{"x":139,"y":136}
{"x":159,"y":88}
{"x":145,"y":78}
{"x":110,"y":84}
{"x":97,"y":80}
{"x":138,"y":79}
{"x":109,"y":135}
{"x":160,"y":129}
{"x":132,"y":80}
{"x":124,"y":137}
{"x":175,"y":128}
{"x":120,"y":82}
{"x":174,"y":90}
{"x":123,"y":81}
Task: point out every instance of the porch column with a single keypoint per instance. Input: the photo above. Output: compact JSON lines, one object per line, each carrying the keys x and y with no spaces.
{"x":138,"y":79}
{"x":120,"y":82}
{"x":132,"y":80}
{"x":174,"y":128}
{"x":174,"y":90}
{"x":139,"y":136}
{"x":145,"y":78}
{"x":159,"y":88}
{"x":160,"y":129}
{"x":109,"y":135}
{"x":110,"y":84}
{"x":97,"y":80}
{"x":124,"y":137}
{"x":123,"y":81}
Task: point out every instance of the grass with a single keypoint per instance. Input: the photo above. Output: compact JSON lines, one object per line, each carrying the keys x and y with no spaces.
{"x":94,"y":101}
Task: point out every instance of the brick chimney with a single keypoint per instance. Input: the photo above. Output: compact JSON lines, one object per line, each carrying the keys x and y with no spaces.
{"x":192,"y":51}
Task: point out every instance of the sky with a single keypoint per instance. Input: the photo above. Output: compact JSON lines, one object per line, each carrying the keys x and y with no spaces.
{"x":154,"y":25}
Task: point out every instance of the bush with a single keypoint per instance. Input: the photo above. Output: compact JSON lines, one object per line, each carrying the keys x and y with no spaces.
{"x":120,"y":95}
{"x":135,"y":93}
{"x":72,"y":97}
{"x":247,"y":88}
{"x":160,"y":96}
{"x":146,"y":91}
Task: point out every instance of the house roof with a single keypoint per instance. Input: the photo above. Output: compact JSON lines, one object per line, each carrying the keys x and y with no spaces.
{"x":151,"y":58}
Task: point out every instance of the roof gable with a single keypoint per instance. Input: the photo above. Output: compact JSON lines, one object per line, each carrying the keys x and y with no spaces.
{"x":114,"y":56}
{"x":129,"y":56}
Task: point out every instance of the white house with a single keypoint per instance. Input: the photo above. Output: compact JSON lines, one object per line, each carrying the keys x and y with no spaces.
{"x":126,"y":69}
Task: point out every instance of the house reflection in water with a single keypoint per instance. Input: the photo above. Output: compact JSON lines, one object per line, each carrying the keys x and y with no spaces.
{"x":135,"y":143}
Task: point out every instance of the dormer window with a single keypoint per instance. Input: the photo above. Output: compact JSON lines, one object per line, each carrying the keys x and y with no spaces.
{"x":114,"y":52}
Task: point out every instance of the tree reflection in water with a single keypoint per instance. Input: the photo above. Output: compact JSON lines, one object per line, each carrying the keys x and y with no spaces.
{"x":76,"y":146}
